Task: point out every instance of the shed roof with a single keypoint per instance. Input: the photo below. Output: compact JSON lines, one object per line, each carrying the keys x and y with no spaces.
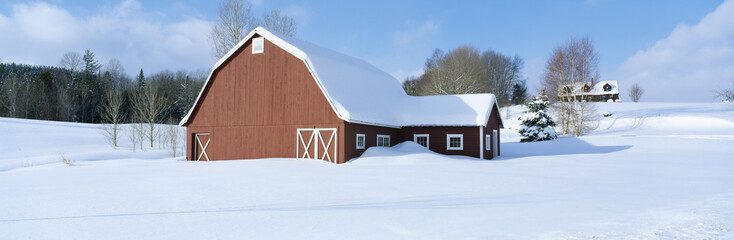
{"x":361,"y":93}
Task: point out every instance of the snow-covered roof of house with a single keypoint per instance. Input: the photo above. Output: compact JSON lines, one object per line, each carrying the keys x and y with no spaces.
{"x":598,"y":88}
{"x":361,"y":93}
{"x":577,"y":88}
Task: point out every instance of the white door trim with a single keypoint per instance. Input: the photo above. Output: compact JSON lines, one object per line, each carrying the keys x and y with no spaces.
{"x":203,"y":146}
{"x":495,"y":142}
{"x":317,"y":139}
{"x":481,"y":142}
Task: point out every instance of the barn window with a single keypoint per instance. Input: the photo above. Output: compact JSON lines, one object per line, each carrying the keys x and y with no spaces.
{"x":421,"y":139}
{"x":455,"y":141}
{"x":488,"y":142}
{"x":258,"y":45}
{"x":383,"y":140}
{"x":360,"y":141}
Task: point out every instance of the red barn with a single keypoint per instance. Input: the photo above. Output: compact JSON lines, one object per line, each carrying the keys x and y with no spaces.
{"x":273,"y":96}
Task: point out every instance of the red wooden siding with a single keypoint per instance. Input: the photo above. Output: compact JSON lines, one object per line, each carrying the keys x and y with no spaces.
{"x":350,"y":137}
{"x":492,"y":123}
{"x":255,"y":102}
{"x":437,"y":139}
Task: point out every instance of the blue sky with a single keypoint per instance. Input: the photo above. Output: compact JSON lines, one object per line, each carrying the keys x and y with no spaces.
{"x":397,"y":36}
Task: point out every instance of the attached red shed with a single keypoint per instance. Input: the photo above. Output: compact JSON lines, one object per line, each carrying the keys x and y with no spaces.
{"x":273,"y":96}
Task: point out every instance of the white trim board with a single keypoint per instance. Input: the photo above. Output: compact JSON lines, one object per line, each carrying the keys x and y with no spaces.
{"x":448,"y":141}
{"x":428,"y":139}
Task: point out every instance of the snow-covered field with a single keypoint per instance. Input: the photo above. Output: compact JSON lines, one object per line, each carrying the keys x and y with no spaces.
{"x":650,"y":171}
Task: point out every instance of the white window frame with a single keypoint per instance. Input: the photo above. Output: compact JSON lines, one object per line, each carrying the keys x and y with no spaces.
{"x":448,"y":141}
{"x":488,"y":142}
{"x":258,"y":41}
{"x":364,"y":140}
{"x":383,"y":136}
{"x":428,"y":139}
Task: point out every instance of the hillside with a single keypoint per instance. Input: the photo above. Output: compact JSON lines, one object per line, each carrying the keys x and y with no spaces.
{"x":650,"y":171}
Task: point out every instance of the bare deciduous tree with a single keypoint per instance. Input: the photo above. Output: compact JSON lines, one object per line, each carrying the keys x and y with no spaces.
{"x":153,"y":105}
{"x":635,"y":92}
{"x":136,"y":114}
{"x":172,"y":138}
{"x":277,"y":22}
{"x":502,"y":72}
{"x":409,"y":85}
{"x":117,"y":71}
{"x":726,"y":95}
{"x":133,"y":131}
{"x":570,"y":66}
{"x":72,"y":61}
{"x":235,"y":21}
{"x":456,"y":72}
{"x":111,"y":109}
{"x":465,"y":70}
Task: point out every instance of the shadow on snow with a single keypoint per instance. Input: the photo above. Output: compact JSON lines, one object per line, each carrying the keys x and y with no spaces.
{"x":559,"y":146}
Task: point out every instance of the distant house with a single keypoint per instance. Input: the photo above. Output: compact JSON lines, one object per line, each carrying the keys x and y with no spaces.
{"x":603,"y":91}
{"x":273,"y":96}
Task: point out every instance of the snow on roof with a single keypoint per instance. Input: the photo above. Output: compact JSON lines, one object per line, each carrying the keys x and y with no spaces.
{"x":599,"y":87}
{"x":361,"y":93}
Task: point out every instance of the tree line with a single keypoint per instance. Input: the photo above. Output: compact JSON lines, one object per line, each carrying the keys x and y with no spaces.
{"x":466,"y":70}
{"x":81,"y":89}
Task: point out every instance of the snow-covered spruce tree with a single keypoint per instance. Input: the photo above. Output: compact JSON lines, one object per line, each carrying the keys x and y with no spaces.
{"x":538,"y":127}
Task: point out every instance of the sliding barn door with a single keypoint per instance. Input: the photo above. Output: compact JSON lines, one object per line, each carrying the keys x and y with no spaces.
{"x":201,"y":142}
{"x":316,"y":143}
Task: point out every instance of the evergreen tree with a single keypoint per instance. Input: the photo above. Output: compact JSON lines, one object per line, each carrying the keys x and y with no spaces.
{"x":90,"y":89}
{"x":91,"y":67}
{"x":44,"y":101}
{"x":140,"y":83}
{"x":519,"y":93}
{"x":539,"y":126}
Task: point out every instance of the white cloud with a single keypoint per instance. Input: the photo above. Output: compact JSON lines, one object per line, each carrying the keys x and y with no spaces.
{"x":690,"y":64}
{"x":40,"y":33}
{"x":46,"y":23}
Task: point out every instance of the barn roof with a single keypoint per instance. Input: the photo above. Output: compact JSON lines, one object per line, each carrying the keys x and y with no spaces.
{"x":361,"y":93}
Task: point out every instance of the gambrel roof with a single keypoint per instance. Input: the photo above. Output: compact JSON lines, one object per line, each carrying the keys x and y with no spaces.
{"x":361,"y":93}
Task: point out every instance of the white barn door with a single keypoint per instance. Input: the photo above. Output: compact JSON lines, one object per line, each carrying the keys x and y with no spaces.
{"x":316,"y":143}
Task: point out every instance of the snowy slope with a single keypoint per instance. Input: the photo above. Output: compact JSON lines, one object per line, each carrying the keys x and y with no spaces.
{"x":33,"y":142}
{"x":651,"y":171}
